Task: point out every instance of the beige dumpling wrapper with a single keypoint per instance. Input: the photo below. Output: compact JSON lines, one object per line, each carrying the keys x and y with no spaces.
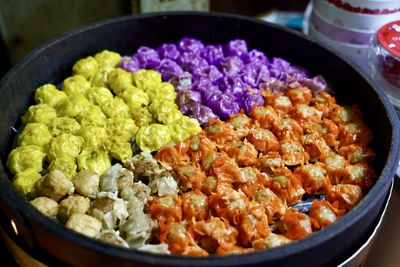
{"x":72,"y":204}
{"x":87,"y":183}
{"x":109,"y":209}
{"x":46,"y":206}
{"x":84,"y":224}
{"x":112,"y":237}
{"x":54,"y":185}
{"x":115,"y":179}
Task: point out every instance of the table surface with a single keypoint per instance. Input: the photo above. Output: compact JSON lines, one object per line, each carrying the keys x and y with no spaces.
{"x":385,"y":251}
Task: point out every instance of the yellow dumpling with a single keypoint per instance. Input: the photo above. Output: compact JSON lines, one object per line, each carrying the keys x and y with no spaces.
{"x":65,"y":145}
{"x":151,"y":138}
{"x":164,"y":91}
{"x":86,"y":67}
{"x":183,"y":128}
{"x":25,"y":181}
{"x":165,"y":111}
{"x":116,"y":108}
{"x":99,"y":95}
{"x":75,"y":85}
{"x":95,"y":159}
{"x":122,"y":127}
{"x":93,"y":135}
{"x":100,"y":77}
{"x":72,"y":106}
{"x":119,"y":149}
{"x":141,"y":116}
{"x":146,"y":79}
{"x":49,"y":94}
{"x":108,"y":58}
{"x":26,"y":157}
{"x":119,"y":80}
{"x":135,"y":97}
{"x":34,"y":134}
{"x":64,"y":125}
{"x":92,"y":116}
{"x":65,"y":164}
{"x":42,"y":113}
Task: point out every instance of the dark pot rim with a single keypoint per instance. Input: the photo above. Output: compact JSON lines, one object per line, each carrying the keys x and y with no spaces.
{"x":12,"y":197}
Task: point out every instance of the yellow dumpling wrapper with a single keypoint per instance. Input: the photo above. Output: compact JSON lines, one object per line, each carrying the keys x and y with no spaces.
{"x":93,"y":115}
{"x":119,"y":80}
{"x":65,"y":164}
{"x":146,"y":79}
{"x":95,"y":159}
{"x":135,"y":97}
{"x":26,"y":157}
{"x":49,"y":94}
{"x":99,"y":95}
{"x":64,"y":125}
{"x":165,"y":112}
{"x":86,"y":67}
{"x":100,"y":77}
{"x":34,"y":134}
{"x":72,"y":106}
{"x":93,"y":135}
{"x":108,"y":58}
{"x":119,"y":149}
{"x":183,"y":128}
{"x":116,"y":108}
{"x":125,"y":128}
{"x":141,"y":116}
{"x":42,"y":113}
{"x":25,"y":181}
{"x":164,"y":91}
{"x":65,"y":145}
{"x":153,"y":137}
{"x":75,"y":85}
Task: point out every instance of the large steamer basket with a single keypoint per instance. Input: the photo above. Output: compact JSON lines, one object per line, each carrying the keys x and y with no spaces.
{"x":54,"y":244}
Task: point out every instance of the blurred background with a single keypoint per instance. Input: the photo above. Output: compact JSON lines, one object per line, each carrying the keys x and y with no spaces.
{"x":25,"y":24}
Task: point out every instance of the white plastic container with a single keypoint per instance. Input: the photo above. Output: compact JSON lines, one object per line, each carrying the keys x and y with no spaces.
{"x":349,"y":25}
{"x":352,"y":20}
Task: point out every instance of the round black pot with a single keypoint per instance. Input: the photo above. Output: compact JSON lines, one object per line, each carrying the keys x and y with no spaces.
{"x":54,"y":244}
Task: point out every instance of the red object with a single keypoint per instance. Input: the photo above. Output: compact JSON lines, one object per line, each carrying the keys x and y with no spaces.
{"x":389,"y":38}
{"x":347,"y":7}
